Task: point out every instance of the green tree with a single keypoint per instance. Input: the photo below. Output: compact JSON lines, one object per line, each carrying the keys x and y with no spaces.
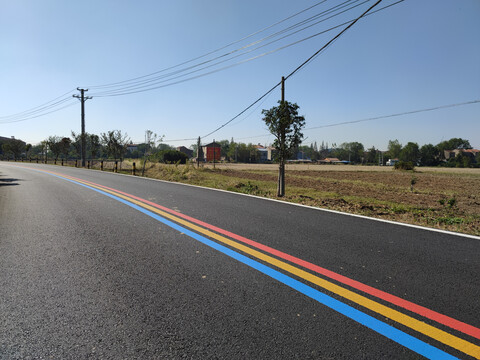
{"x":53,"y":143}
{"x":115,"y":144}
{"x":429,"y":155}
{"x":372,"y":155}
{"x":94,"y":145}
{"x":65,"y":146}
{"x":452,"y":144}
{"x":14,"y":147}
{"x":394,"y":149}
{"x":28,"y":147}
{"x":285,"y":124}
{"x":410,"y":153}
{"x":352,"y":151}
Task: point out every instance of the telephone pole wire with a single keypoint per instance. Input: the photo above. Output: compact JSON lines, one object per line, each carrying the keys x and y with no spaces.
{"x":82,"y":99}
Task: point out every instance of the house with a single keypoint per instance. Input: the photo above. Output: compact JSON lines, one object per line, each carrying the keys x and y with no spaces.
{"x":471,"y":153}
{"x":212,"y":151}
{"x":330,"y":161}
{"x":270,"y":153}
{"x":132,"y":147}
{"x":262,"y":153}
{"x":186,"y":151}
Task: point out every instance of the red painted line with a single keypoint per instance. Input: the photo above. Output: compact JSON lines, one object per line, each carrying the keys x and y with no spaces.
{"x":408,"y":305}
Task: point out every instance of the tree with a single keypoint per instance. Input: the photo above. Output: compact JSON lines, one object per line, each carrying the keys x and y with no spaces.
{"x":285,"y":124}
{"x":352,"y":151}
{"x":372,"y":155}
{"x":54,"y":146}
{"x":150,"y":146}
{"x":65,"y":146}
{"x":94,"y":144}
{"x":115,"y":144}
{"x":28,"y":147}
{"x":410,"y":153}
{"x":15,"y":147}
{"x":429,"y":155}
{"x":452,"y":144}
{"x":172,"y":157}
{"x":394,"y":149}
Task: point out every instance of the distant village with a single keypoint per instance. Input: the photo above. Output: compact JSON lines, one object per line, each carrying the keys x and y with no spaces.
{"x":455,"y":152}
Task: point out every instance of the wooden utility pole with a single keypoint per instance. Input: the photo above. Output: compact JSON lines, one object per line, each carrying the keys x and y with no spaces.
{"x":199,"y":150}
{"x":214,"y":153}
{"x":281,"y":172}
{"x":82,"y":99}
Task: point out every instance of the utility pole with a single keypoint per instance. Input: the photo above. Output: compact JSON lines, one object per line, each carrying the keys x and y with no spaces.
{"x":214,"y":153}
{"x":82,"y":99}
{"x":281,"y":172}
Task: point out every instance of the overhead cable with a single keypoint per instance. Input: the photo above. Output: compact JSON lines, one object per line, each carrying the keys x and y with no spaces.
{"x":298,"y":68}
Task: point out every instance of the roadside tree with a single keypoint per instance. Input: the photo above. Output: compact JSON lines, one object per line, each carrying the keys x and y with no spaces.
{"x":285,"y":124}
{"x":115,"y":144}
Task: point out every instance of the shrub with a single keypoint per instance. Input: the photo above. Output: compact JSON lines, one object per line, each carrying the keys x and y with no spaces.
{"x":172,"y":157}
{"x":404,"y":165}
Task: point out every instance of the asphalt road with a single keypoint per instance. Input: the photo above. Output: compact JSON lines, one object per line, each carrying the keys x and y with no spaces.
{"x":88,"y":274}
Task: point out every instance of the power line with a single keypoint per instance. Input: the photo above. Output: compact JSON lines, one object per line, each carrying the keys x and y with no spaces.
{"x":39,"y":110}
{"x":440,"y":107}
{"x":395,"y":115}
{"x":42,"y":110}
{"x":298,"y":68}
{"x":211,"y":52}
{"x":152,"y":82}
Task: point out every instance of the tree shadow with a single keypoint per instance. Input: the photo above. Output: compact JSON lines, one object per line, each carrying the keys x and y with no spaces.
{"x":9,"y":181}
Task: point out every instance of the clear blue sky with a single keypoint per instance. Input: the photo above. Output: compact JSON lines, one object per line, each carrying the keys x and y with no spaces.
{"x":415,"y":55}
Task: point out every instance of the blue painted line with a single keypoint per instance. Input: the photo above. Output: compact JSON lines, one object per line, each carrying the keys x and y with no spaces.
{"x":410,"y":342}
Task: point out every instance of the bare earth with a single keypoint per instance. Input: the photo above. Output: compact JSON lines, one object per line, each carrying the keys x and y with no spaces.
{"x":445,"y":198}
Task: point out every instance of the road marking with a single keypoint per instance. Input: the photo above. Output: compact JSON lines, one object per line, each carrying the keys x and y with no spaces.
{"x":385,"y":329}
{"x":419,"y":326}
{"x":418,"y":309}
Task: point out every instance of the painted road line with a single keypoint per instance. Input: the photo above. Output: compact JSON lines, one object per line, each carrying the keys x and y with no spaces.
{"x":419,"y":326}
{"x":408,"y":305}
{"x":380,"y":327}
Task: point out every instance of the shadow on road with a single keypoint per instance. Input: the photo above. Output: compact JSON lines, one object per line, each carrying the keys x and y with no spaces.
{"x":9,"y":181}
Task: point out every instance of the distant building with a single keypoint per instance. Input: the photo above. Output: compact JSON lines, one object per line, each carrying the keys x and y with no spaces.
{"x":471,"y":153}
{"x":212,"y":151}
{"x":270,"y":153}
{"x":262,"y":153}
{"x":186,"y":151}
{"x":330,"y":161}
{"x":132,"y":147}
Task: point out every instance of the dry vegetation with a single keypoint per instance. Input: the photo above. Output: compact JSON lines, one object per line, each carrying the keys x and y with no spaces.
{"x":442,"y":198}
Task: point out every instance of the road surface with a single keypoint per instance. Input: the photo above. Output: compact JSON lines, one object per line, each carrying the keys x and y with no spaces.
{"x":105,"y":266}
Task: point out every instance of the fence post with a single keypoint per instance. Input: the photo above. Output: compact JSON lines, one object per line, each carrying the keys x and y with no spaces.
{"x":133,"y":169}
{"x":88,"y":164}
{"x":62,"y":162}
{"x":101,"y":165}
{"x":76,"y":162}
{"x":116,"y":166}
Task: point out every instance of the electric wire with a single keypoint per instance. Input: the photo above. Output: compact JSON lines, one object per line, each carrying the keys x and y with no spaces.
{"x":141,"y":86}
{"x":37,"y":109}
{"x":298,"y":68}
{"x":410,"y":112}
{"x":211,"y":52}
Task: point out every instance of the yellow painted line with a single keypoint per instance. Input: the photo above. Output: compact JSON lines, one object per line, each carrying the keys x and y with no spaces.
{"x":417,"y":325}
